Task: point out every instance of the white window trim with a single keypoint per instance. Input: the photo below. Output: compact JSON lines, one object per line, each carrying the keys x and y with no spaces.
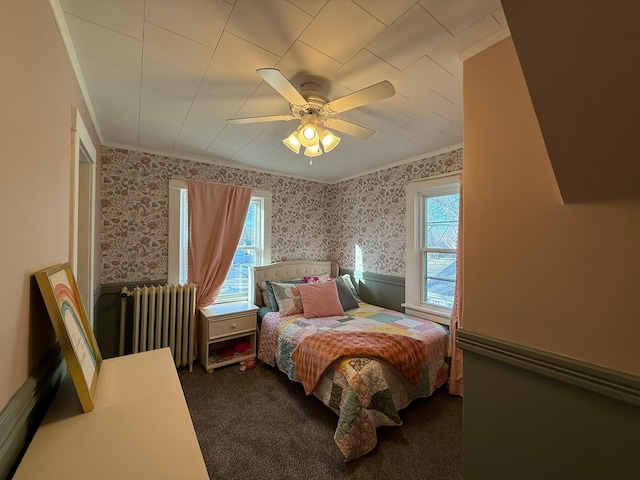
{"x":176,"y":237}
{"x":263,"y":255}
{"x":438,"y":185}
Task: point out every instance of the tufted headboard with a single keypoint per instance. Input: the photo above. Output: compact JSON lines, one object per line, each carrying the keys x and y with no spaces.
{"x":287,"y":270}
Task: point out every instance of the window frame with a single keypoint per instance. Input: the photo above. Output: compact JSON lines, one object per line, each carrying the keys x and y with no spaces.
{"x":416,"y":192}
{"x":259,"y":250}
{"x":178,"y":235}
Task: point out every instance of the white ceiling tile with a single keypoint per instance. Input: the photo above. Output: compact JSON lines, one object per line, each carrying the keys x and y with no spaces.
{"x":190,"y":145}
{"x":199,"y":20}
{"x":338,"y":20}
{"x":174,"y":51}
{"x":384,"y":10}
{"x":164,"y":79}
{"x":432,"y":125}
{"x":198,"y":131}
{"x":396,"y":136}
{"x":278,"y":157}
{"x":210,"y":105}
{"x":414,"y":81}
{"x":433,"y":122}
{"x":100,"y":43}
{"x":248,"y":22}
{"x":241,"y":59}
{"x":410,"y":37}
{"x":233,"y":90}
{"x":156,"y":139}
{"x":458,"y":15}
{"x":446,"y":55}
{"x":119,"y":122}
{"x":312,"y":7}
{"x":164,"y":105}
{"x":124,"y":16}
{"x":416,"y":107}
{"x":203,"y":126}
{"x":247,"y":157}
{"x":450,"y":88}
{"x":191,"y":82}
{"x":223,"y":149}
{"x":362,"y":70}
{"x":241,"y":133}
{"x":303,"y":63}
{"x":116,"y":85}
{"x":112,"y":111}
{"x":157,"y":126}
{"x":452,"y":112}
{"x":258,"y":148}
{"x":254,"y":151}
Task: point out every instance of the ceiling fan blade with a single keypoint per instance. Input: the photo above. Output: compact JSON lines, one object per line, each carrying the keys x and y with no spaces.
{"x":279,"y":82}
{"x":349,"y":128}
{"x":370,"y":94}
{"x":269,"y":118}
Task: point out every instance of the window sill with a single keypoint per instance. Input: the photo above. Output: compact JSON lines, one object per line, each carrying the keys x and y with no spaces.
{"x":427,"y":313}
{"x":243,"y":297}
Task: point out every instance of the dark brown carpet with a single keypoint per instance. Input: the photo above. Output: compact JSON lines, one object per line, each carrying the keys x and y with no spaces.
{"x":260,"y":425}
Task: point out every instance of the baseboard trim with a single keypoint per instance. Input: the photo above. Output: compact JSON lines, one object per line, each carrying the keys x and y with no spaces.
{"x":23,"y":413}
{"x":611,"y":383}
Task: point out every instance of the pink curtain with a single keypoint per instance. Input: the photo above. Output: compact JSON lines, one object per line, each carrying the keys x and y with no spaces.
{"x":456,"y":385}
{"x":216,"y":218}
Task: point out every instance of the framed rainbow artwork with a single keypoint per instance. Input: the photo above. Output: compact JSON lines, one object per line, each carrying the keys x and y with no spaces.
{"x":69,"y":318}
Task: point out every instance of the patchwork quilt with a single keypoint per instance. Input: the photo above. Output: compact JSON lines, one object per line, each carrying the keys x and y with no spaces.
{"x":365,"y":390}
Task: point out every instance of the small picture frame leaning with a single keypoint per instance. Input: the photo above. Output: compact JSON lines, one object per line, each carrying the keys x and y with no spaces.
{"x":69,"y":318}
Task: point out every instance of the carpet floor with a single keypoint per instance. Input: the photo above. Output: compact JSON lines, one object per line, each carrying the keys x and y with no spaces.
{"x":258,"y":424}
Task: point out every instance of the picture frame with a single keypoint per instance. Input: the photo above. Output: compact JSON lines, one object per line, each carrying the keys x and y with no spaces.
{"x":75,"y":335}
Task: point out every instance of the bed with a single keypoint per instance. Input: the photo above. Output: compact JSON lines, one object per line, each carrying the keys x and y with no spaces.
{"x":366,"y":363}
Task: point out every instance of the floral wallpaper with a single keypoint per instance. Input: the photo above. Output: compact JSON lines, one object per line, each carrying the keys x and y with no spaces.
{"x":368,"y":215}
{"x":358,"y":222}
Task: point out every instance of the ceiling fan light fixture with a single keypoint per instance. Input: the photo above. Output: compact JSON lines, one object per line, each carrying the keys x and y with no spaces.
{"x":328,"y":140}
{"x":312,"y":108}
{"x":292,"y":141}
{"x":308,"y":135}
{"x":313,"y":151}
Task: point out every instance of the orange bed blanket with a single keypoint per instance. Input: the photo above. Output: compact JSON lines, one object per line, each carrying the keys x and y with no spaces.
{"x":316,"y":353}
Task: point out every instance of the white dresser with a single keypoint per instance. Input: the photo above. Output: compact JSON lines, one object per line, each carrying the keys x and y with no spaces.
{"x":140,"y":427}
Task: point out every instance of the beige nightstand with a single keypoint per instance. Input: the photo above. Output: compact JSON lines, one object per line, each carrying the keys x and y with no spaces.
{"x":227,"y":334}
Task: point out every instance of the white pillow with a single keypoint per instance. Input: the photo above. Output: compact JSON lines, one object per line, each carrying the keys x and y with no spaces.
{"x":347,"y":279}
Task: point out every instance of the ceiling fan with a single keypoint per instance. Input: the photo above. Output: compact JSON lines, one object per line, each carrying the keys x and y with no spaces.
{"x":315,"y":112}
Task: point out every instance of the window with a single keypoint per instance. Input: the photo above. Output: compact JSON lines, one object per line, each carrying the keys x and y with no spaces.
{"x":254,"y":247}
{"x":250,"y":252}
{"x":439,"y":244}
{"x":433,"y":207}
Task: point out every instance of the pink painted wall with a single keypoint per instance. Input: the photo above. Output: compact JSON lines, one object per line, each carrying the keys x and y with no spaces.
{"x":39,"y":90}
{"x":560,"y":278}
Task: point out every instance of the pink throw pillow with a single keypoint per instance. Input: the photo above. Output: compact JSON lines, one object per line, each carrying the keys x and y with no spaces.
{"x":320,"y":299}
